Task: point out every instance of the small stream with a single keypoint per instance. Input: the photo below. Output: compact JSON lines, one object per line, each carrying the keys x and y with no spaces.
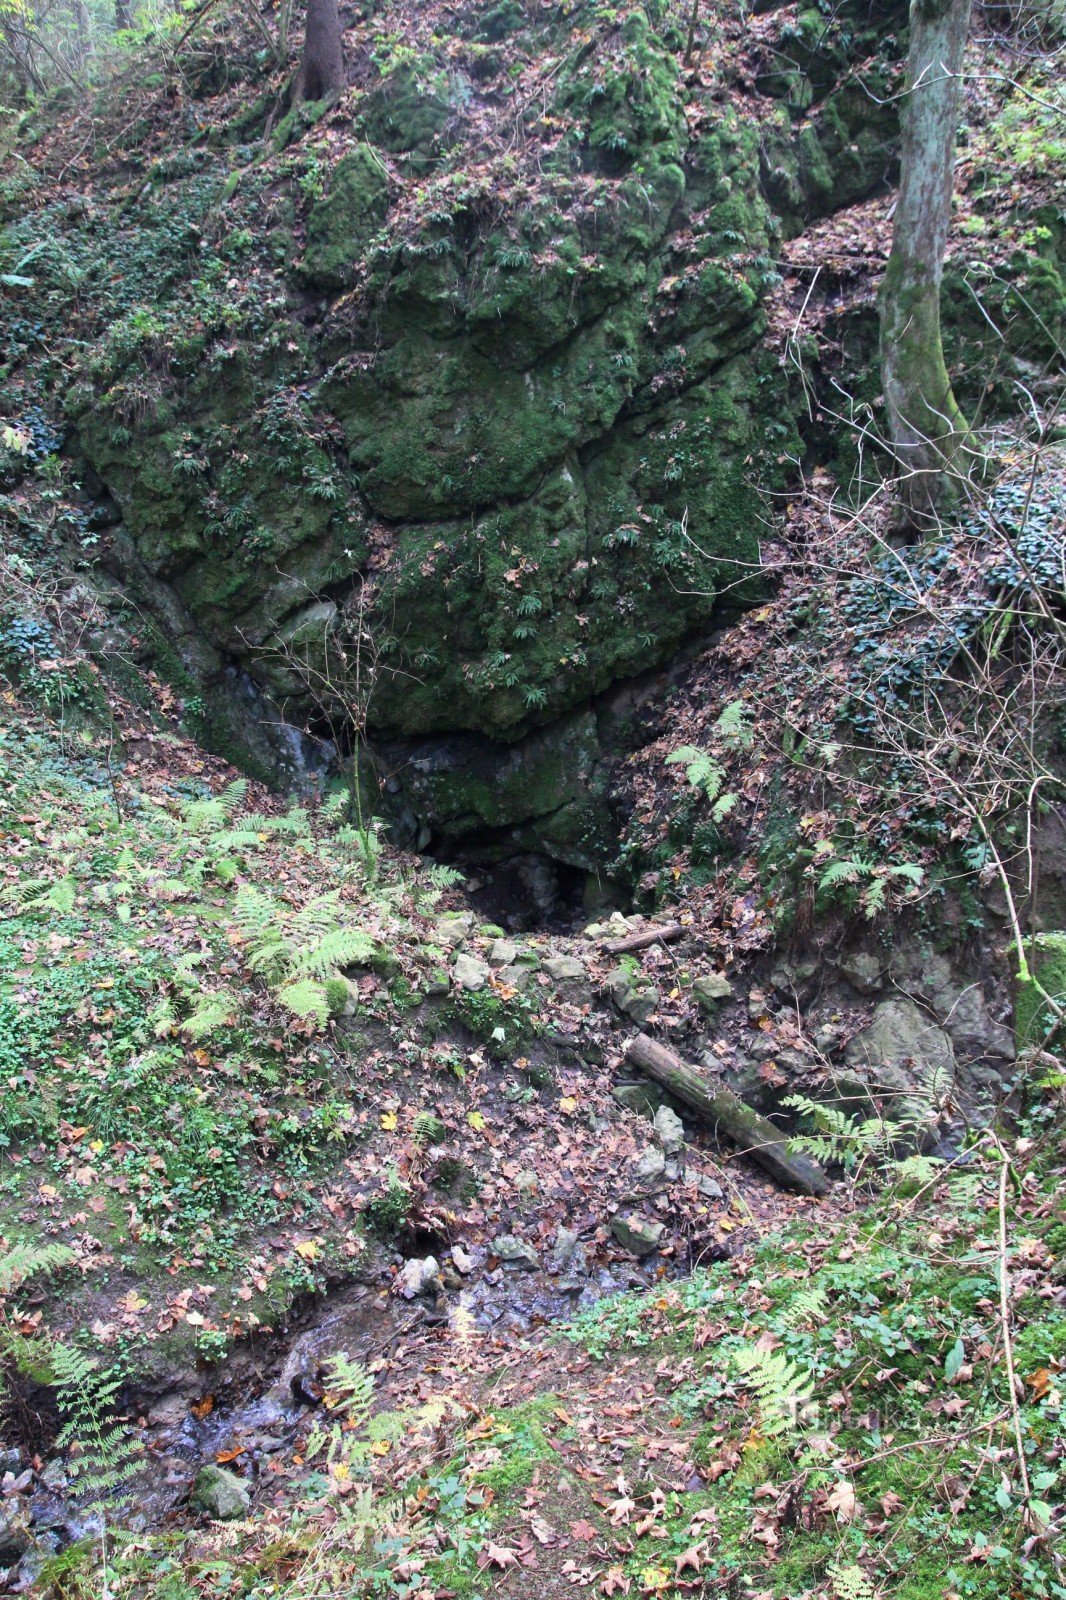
{"x":256,"y":1404}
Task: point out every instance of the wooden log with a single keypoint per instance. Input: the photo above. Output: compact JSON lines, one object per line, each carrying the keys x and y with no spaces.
{"x":666,"y":934}
{"x":727,"y":1113}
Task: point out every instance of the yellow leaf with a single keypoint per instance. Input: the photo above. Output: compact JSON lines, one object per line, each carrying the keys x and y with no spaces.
{"x":309,"y":1249}
{"x":381,"y":1447}
{"x":389,"y":1120}
{"x":195,"y":1319}
{"x":476,"y":1120}
{"x":568,"y":1103}
{"x":654,"y":1579}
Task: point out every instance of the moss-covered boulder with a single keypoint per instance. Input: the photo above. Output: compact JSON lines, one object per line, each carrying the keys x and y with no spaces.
{"x":1034,"y":1018}
{"x":343,"y":222}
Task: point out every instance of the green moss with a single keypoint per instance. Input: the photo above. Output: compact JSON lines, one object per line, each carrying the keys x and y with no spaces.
{"x":1046,"y":956}
{"x":342,"y":224}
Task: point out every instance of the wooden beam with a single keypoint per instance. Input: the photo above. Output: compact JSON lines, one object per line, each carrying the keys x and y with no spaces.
{"x":666,"y":934}
{"x":728,"y":1114}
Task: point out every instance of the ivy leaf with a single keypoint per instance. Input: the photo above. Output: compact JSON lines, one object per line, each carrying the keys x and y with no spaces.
{"x":954,"y":1360}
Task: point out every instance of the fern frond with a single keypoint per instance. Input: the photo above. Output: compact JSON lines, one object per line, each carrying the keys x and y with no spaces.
{"x":29,"y":1260}
{"x":806,"y":1307}
{"x":336,"y":949}
{"x":211,"y":1012}
{"x":723,"y":806}
{"x":850,"y":1583}
{"x":845,"y":872}
{"x":734,"y":725}
{"x":781,"y":1389}
{"x":305,"y":999}
{"x":349,"y":1388}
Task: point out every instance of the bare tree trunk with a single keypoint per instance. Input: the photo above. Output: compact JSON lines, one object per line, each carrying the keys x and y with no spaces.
{"x":321,"y":74}
{"x":123,"y":20}
{"x":930,"y":435}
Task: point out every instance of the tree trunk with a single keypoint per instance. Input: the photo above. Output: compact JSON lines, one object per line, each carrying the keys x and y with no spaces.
{"x":930,"y":436}
{"x":123,"y":19}
{"x":321,"y":74}
{"x":727,"y":1112}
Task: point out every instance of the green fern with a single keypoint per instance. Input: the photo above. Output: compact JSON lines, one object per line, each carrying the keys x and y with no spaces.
{"x":734,"y":725}
{"x":850,"y":1583}
{"x":211,"y":1012}
{"x":306,"y":999}
{"x":701,"y":769}
{"x":28,"y":1259}
{"x":782,"y":1390}
{"x":335,"y":949}
{"x":806,"y":1308}
{"x":349,"y":1389}
{"x":100,"y":1453}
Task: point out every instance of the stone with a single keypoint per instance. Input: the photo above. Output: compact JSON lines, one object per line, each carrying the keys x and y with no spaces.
{"x":649,"y":1169}
{"x":15,"y":1538}
{"x":503,"y":953}
{"x":972,"y":1030}
{"x":418,"y":1277}
{"x":469,"y":973}
{"x":516,"y":977}
{"x":638,"y":1235}
{"x":527,"y":1184}
{"x":638,"y":1004}
{"x":565,"y":969}
{"x":565,"y":1249}
{"x":669,"y":1131}
{"x":453,"y":930}
{"x":710,"y":1188}
{"x":793,"y":978}
{"x":645,"y":1098}
{"x":464,"y":1262}
{"x":901,"y":1048}
{"x":709,"y":991}
{"x":221,"y":1495}
{"x":517,"y":1253}
{"x":436,"y":981}
{"x":863,"y":970}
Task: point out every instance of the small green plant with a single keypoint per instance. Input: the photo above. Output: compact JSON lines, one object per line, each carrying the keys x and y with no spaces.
{"x":870,"y":880}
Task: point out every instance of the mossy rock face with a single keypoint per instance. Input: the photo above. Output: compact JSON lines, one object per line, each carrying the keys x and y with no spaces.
{"x":525,"y":411}
{"x":544,"y":794}
{"x":344,"y":221}
{"x":1033,"y":1017}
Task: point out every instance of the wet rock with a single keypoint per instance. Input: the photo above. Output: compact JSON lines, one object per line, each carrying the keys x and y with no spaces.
{"x":669,"y":1131}
{"x":567,"y":1243}
{"x":15,"y":1538}
{"x":636,"y":1234}
{"x":462,"y":1260}
{"x":645,"y":1098}
{"x":794,"y":978}
{"x":649,"y":1170}
{"x":436,"y":982}
{"x":863,"y":970}
{"x":516,"y":977}
{"x":220,"y":1494}
{"x":564,"y":969}
{"x":10,"y":1460}
{"x":517,"y":1253}
{"x":901,"y":1048}
{"x":170,"y":1410}
{"x":637,"y":1004}
{"x":451,"y":931}
{"x":503,"y":953}
{"x":469,"y":972}
{"x":418,"y":1277}
{"x":710,"y":991}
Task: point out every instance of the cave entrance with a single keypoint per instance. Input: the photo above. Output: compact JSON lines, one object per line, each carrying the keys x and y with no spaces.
{"x":531,"y":892}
